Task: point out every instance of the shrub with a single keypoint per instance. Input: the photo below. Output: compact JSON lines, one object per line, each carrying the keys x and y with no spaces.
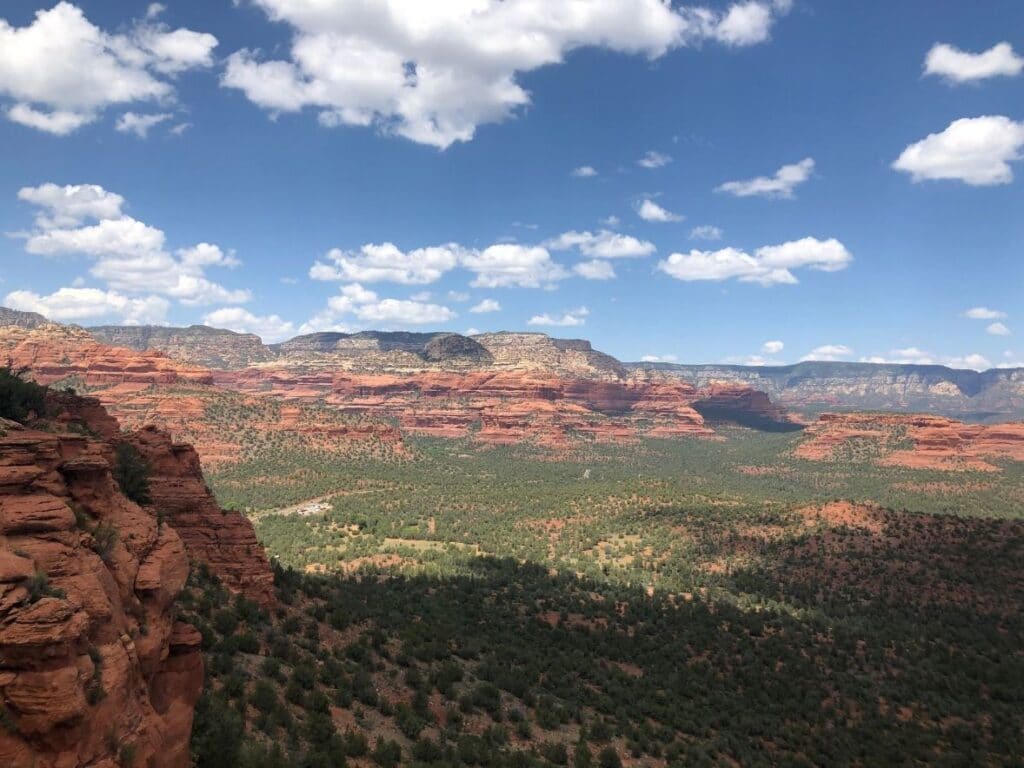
{"x":19,"y":398}
{"x":132,"y":473}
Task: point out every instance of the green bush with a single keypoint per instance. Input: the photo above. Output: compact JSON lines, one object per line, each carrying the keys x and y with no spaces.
{"x":132,"y":473}
{"x":19,"y":398}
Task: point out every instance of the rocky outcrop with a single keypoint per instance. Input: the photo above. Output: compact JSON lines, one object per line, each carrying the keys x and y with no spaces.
{"x":67,"y":354}
{"x":223,"y":540}
{"x":913,"y":441}
{"x":14,"y":318}
{"x":94,"y":668}
{"x":197,"y":345}
{"x":538,"y":351}
{"x":997,"y":394}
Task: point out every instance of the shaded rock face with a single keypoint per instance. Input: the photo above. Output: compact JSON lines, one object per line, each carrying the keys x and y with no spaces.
{"x":14,"y":318}
{"x":93,"y":665}
{"x":914,"y":441}
{"x":197,"y":345}
{"x":223,"y":540}
{"x":377,"y":350}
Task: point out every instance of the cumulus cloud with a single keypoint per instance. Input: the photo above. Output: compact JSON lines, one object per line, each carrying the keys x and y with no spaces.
{"x":997,"y":329}
{"x":959,"y":66}
{"x":128,"y":254}
{"x":366,"y":306}
{"x":61,"y":72}
{"x":140,"y":125}
{"x":828,"y":352}
{"x":984,"y":313}
{"x":917,"y":356}
{"x":569,"y":318}
{"x":975,"y":150}
{"x":772,"y":347}
{"x":90,"y":304}
{"x":510,"y":264}
{"x":434,"y":72}
{"x":270,"y":328}
{"x":652,"y":159}
{"x":659,"y":358}
{"x":649,"y":210}
{"x":595,"y":269}
{"x":487,"y":305}
{"x":706,"y":232}
{"x":386,"y":262}
{"x":769,"y":265}
{"x":779,"y":186}
{"x":498,"y":266}
{"x":603,"y":244}
{"x":584,"y":172}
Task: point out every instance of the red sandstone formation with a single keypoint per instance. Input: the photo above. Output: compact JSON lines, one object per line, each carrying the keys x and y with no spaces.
{"x":223,"y":540}
{"x":57,"y":352}
{"x":93,"y":665}
{"x":916,"y":441}
{"x":331,"y":408}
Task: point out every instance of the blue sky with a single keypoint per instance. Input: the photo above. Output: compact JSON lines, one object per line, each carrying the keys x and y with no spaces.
{"x":289,"y":145}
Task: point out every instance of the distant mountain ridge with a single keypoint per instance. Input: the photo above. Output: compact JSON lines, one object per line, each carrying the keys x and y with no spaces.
{"x":995,"y":394}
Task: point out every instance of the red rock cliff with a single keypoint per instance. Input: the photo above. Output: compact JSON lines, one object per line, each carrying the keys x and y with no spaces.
{"x":224,"y":540}
{"x":94,"y":668}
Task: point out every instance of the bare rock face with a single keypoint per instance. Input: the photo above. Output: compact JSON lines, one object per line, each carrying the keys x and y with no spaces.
{"x":224,"y":540}
{"x":94,"y":668}
{"x":197,"y":345}
{"x":60,"y":353}
{"x":567,"y":357}
{"x":914,"y":441}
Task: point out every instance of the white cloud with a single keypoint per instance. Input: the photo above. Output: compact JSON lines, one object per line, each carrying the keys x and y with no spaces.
{"x":828,"y":352}
{"x":917,"y":356}
{"x":88,"y":304}
{"x":610,"y":221}
{"x":570,"y":318}
{"x":270,"y":328}
{"x":61,"y":72}
{"x":434,"y":72}
{"x":458,"y":296}
{"x":975,"y":150}
{"x":959,"y":66}
{"x":772,"y":347}
{"x":770,"y":265}
{"x":370,"y":309}
{"x":487,"y":305}
{"x":584,"y":172}
{"x":659,"y":358}
{"x":651,"y":211}
{"x":602,"y":245}
{"x":129,"y":255}
{"x":386,"y":262}
{"x":779,"y":186}
{"x":140,"y":125}
{"x":69,"y":206}
{"x":997,"y":329}
{"x":509,"y":264}
{"x":595,"y":269}
{"x":652,"y":159}
{"x":59,"y":122}
{"x":154,"y":10}
{"x":747,"y":23}
{"x":706,"y":232}
{"x":984,"y":313}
